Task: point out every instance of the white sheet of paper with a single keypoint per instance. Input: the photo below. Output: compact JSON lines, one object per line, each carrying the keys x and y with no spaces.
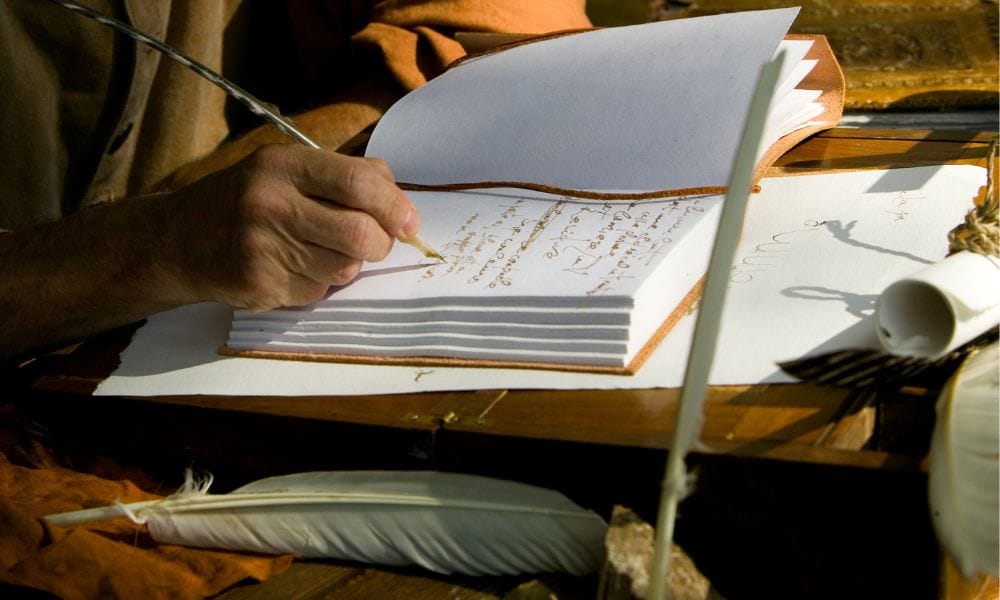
{"x":645,"y":107}
{"x":816,"y":252}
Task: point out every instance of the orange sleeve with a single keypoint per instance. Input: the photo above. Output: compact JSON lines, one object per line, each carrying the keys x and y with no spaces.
{"x":414,"y":37}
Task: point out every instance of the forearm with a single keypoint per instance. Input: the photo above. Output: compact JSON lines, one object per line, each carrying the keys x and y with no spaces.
{"x":96,"y":270}
{"x":276,"y":229}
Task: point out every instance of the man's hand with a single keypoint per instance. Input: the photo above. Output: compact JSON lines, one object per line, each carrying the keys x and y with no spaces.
{"x":276,"y":229}
{"x":282,"y":226}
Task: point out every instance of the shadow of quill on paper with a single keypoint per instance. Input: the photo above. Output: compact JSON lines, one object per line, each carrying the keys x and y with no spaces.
{"x":842,"y":232}
{"x":369,"y":273}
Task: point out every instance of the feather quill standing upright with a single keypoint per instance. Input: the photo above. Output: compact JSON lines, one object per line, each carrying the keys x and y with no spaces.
{"x":444,"y":522}
{"x":706,"y":331}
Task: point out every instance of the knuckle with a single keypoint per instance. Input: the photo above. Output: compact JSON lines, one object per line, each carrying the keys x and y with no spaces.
{"x":381,"y":167}
{"x":358,"y":180}
{"x":367,"y":188}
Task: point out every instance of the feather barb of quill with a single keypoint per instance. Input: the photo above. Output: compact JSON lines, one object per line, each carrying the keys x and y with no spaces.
{"x":444,"y":522}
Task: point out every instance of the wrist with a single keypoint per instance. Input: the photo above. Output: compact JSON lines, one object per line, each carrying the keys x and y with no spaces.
{"x":161,"y":251}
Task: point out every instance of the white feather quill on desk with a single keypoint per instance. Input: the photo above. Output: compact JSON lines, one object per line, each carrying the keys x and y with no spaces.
{"x":444,"y":522}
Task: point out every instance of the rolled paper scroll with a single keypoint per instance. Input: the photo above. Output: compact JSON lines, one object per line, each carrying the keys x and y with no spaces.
{"x":941,"y":307}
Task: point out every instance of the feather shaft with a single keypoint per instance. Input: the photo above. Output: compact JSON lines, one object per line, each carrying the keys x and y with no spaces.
{"x":101,"y":513}
{"x":702,"y":354}
{"x":256,"y":106}
{"x":212,"y":502}
{"x":444,"y":522}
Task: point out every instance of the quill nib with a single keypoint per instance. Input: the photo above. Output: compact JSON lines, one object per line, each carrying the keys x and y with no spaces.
{"x":417,"y":242}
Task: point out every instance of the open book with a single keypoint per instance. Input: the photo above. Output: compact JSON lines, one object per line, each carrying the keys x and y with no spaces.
{"x":536,"y":279}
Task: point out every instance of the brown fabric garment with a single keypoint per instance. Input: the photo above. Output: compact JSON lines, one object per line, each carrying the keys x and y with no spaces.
{"x":413,"y":35}
{"x":73,"y":103}
{"x":107,"y":559}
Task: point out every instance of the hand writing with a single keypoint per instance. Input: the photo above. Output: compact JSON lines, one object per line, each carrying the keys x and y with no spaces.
{"x":282,"y":226}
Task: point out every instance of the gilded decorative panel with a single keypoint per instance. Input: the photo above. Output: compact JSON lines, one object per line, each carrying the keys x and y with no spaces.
{"x":937,"y":54}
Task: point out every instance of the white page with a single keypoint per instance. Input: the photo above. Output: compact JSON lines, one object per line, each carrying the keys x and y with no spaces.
{"x":806,"y":292}
{"x":645,"y":107}
{"x":795,"y":111}
{"x":502,"y":327}
{"x":795,"y":67}
{"x":332,"y":313}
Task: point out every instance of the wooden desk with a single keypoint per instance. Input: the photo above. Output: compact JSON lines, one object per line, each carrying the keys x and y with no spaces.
{"x":793,"y":499}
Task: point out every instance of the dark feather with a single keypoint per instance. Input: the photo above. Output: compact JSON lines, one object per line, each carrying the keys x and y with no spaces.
{"x":874,"y":368}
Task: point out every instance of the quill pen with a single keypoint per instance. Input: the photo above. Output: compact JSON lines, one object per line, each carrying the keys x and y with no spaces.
{"x":707,"y":324}
{"x":444,"y":522}
{"x":268,"y":112}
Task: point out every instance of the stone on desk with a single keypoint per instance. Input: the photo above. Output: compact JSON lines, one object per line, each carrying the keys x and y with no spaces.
{"x":629,"y":547}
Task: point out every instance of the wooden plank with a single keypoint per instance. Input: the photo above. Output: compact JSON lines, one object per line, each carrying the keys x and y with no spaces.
{"x":344,"y":580}
{"x":793,"y":413}
{"x":853,"y":149}
{"x":404,"y":411}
